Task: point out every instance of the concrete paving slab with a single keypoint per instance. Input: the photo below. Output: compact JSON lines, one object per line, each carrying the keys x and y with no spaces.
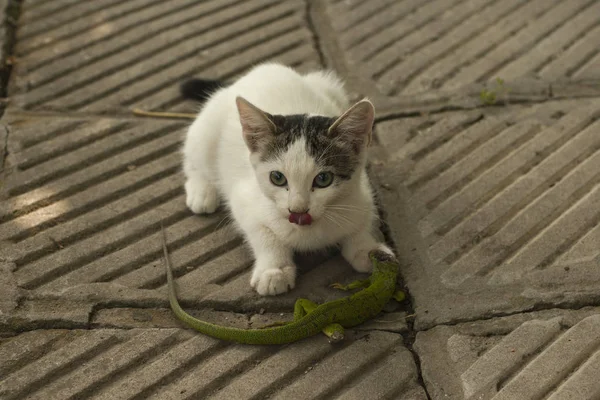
{"x":3,"y":9}
{"x":85,"y":198}
{"x":112,"y":56}
{"x":500,"y":208}
{"x":494,"y":210}
{"x":8,"y":287}
{"x":7,"y":23}
{"x":553,"y":354}
{"x":46,"y":313}
{"x":3,"y":147}
{"x":174,"y":363}
{"x":431,"y":52}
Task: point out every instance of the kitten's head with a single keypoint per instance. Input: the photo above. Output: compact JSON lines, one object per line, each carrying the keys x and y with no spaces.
{"x":305,"y":164}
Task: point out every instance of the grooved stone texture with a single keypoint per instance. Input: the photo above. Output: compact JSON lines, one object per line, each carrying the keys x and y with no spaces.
{"x":179,"y":364}
{"x":494,"y":211}
{"x":4,"y":8}
{"x":502,"y":208}
{"x":85,"y":200}
{"x":415,"y":47}
{"x":545,"y":355}
{"x":108,"y":55}
{"x":80,"y":228}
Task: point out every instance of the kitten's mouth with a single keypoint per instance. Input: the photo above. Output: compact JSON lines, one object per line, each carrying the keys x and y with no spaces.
{"x":300,"y":218}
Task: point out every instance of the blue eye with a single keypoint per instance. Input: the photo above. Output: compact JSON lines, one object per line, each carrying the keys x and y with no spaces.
{"x":323,"y":180}
{"x":277,"y":178}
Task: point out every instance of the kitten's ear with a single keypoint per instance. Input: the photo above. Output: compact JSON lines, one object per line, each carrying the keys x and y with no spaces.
{"x":257,"y":127}
{"x":355,"y":125}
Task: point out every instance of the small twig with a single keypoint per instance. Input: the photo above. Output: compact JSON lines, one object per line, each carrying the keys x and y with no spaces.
{"x":160,"y":114}
{"x":395,"y":320}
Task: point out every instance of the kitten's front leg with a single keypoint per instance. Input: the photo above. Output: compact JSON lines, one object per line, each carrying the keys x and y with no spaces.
{"x":201,"y":195}
{"x":274,"y":271}
{"x":356,"y":248}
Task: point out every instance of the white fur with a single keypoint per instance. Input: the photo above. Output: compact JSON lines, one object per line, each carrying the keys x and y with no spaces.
{"x":218,"y":164}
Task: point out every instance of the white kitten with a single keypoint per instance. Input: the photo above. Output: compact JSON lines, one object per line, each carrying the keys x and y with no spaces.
{"x":288,"y":158}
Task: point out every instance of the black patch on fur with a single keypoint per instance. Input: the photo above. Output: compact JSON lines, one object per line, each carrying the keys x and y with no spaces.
{"x":332,"y":154}
{"x":199,"y":89}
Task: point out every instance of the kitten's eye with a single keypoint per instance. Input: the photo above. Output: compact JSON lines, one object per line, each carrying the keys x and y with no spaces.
{"x":323,"y":180}
{"x":277,"y":178}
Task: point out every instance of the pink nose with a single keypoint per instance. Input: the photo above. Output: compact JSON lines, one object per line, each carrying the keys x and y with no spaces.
{"x":300,"y":218}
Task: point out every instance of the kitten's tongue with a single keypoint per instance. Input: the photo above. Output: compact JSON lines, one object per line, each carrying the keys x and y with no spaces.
{"x":300,"y":218}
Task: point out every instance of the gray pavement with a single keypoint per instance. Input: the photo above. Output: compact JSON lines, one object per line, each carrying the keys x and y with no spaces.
{"x":486,"y":160}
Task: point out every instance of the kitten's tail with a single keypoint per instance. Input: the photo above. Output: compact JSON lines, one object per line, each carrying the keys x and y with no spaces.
{"x":199,"y":89}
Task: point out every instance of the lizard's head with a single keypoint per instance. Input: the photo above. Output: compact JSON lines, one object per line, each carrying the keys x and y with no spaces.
{"x":383,"y":262}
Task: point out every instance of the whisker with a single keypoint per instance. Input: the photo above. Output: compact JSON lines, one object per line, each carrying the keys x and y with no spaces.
{"x":342,"y":218}
{"x":224,"y":221}
{"x":350,"y":207}
{"x":337,"y":207}
{"x":332,"y":219}
{"x":353,"y":209}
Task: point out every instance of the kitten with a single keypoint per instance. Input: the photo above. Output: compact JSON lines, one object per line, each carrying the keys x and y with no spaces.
{"x":287,"y":155}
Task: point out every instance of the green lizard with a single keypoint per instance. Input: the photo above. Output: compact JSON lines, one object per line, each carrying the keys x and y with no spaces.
{"x":309,"y":318}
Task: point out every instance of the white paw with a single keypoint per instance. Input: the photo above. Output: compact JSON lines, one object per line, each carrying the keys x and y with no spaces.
{"x":201,"y":197}
{"x":359,"y":259}
{"x":269,"y":282}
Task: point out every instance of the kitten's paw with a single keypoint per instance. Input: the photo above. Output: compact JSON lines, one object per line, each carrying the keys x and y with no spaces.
{"x":201,"y":197}
{"x":359,"y":259}
{"x":269,"y":282}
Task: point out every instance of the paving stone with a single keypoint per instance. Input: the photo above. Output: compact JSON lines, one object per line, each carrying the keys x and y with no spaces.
{"x":283,"y":367}
{"x":410,"y":50}
{"x":553,"y":354}
{"x":85,"y":199}
{"x":25,"y":379}
{"x":391,"y":322}
{"x":162,"y":318}
{"x":46,"y":313}
{"x":25,"y":348}
{"x":113,"y":55}
{"x":7,"y":23}
{"x":347,"y":370}
{"x":6,"y":27}
{"x":180,"y":364}
{"x":9,"y":291}
{"x":4,"y":148}
{"x":495,"y":212}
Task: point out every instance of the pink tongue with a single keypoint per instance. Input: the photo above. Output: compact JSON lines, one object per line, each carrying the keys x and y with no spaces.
{"x":300,"y":218}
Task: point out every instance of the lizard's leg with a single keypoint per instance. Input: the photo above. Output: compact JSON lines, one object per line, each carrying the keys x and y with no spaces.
{"x":303,"y":307}
{"x":359,"y":284}
{"x":274,"y":324}
{"x":399,"y":295}
{"x":300,"y":310}
{"x":335,"y":332}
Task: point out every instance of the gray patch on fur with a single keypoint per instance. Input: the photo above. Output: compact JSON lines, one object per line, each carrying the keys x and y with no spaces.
{"x":332,"y":154}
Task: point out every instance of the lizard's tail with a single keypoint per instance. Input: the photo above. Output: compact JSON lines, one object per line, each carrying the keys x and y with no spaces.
{"x":279,"y":335}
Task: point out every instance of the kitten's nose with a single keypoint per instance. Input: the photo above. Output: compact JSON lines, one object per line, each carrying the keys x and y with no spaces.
{"x":298,"y":211}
